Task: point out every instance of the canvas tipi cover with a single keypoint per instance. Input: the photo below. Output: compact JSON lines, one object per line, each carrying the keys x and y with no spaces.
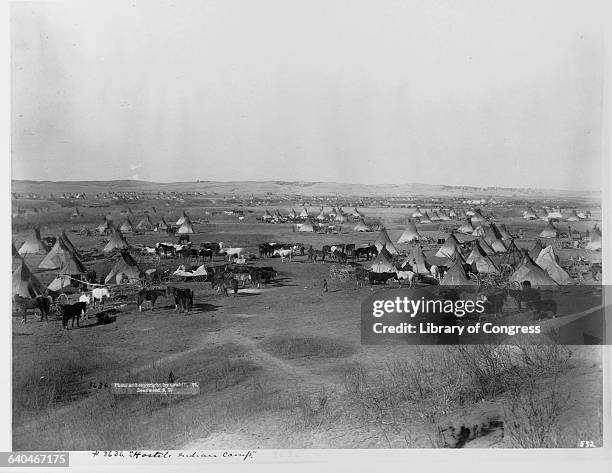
{"x":505,"y":234}
{"x":125,"y":267}
{"x":425,"y":218}
{"x":477,"y":252}
{"x":60,"y":256}
{"x":145,"y":224}
{"x":417,"y":213}
{"x":383,"y":240}
{"x":417,"y":261}
{"x":549,"y":231}
{"x":456,"y":276}
{"x":485,"y":265}
{"x":466,"y":227}
{"x":529,"y":214}
{"x":479,"y":231}
{"x":449,"y":248}
{"x":25,"y":283}
{"x":498,"y":246}
{"x":411,"y":233}
{"x":361,"y":227}
{"x":116,"y":242}
{"x":182,"y":218}
{"x":594,"y":243}
{"x":186,"y":227}
{"x":383,"y":263}
{"x":485,"y":246}
{"x":106,"y":227}
{"x":547,"y":260}
{"x":306,"y":227}
{"x":126,"y":226}
{"x":304,"y":213}
{"x":33,"y":244}
{"x":529,"y":271}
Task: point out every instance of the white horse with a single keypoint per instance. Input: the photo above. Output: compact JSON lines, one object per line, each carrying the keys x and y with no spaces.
{"x":231,"y":252}
{"x":405,"y":276}
{"x":284,"y":254}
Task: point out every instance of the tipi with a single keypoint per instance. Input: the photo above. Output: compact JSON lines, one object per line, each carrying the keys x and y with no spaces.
{"x":33,"y":244}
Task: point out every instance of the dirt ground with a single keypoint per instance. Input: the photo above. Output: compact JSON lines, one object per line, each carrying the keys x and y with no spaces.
{"x":272,"y":362}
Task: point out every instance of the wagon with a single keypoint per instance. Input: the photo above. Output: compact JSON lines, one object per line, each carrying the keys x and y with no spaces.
{"x":181,"y":275}
{"x":56,"y":305}
{"x":344,"y":272}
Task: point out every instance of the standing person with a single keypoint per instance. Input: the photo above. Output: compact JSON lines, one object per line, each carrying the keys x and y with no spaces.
{"x":325,"y":285}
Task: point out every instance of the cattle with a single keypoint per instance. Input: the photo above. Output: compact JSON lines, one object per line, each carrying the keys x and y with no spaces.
{"x":381,"y":278}
{"x":41,"y":303}
{"x":405,"y":276}
{"x":349,"y":249}
{"x":99,"y":293}
{"x":73,"y":311}
{"x":183,"y":298}
{"x":149,"y":295}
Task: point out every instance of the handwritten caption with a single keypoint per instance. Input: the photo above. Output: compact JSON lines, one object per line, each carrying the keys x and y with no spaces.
{"x":162,"y":455}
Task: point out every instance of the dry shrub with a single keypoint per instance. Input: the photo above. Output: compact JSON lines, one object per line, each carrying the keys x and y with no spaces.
{"x":297,"y":347}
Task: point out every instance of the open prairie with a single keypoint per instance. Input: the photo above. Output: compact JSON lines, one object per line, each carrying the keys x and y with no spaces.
{"x":281,"y":365}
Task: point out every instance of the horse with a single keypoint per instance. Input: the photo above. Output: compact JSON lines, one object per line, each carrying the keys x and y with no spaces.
{"x":73,"y":311}
{"x":284,"y":253}
{"x":183,"y":298}
{"x":405,"y":276}
{"x":42,"y":303}
{"x":149,"y":295}
{"x":99,"y":293}
{"x":319,"y":254}
{"x":165,"y":250}
{"x":380,"y":277}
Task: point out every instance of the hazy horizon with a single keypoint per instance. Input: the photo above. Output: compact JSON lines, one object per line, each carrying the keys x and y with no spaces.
{"x":76,"y":181}
{"x":448,"y":93}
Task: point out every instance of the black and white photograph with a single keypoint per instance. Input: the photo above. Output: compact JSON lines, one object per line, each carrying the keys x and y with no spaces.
{"x":244,"y":227}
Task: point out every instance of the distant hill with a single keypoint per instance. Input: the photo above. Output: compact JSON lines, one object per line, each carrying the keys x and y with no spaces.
{"x":262,"y":188}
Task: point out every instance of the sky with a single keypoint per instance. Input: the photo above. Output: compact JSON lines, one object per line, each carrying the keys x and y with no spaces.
{"x":481,"y":93}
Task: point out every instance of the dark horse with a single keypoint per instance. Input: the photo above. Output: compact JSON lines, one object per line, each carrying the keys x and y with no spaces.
{"x":149,"y":295}
{"x":42,"y":303}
